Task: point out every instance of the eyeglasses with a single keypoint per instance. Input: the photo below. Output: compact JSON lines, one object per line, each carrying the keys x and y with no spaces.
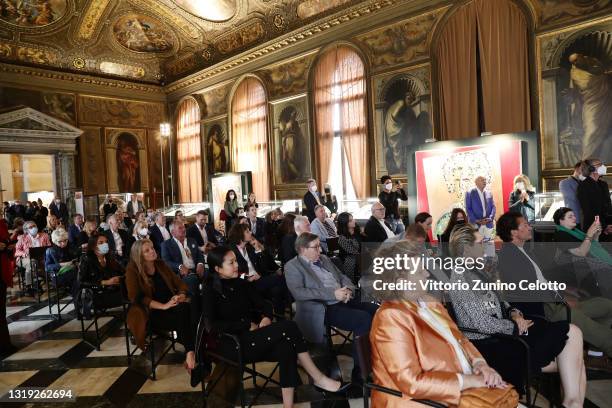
{"x":379,"y":209}
{"x":313,"y":247}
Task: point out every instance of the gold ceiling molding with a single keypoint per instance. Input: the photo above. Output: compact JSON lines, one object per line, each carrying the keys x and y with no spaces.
{"x":81,"y":79}
{"x":291,"y":39}
{"x":170,"y":15}
{"x":91,"y":18}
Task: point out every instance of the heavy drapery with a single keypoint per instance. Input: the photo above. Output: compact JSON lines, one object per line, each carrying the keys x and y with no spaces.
{"x":189,"y":152}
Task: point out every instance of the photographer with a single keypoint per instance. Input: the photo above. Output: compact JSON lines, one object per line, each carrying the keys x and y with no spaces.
{"x":521,"y":200}
{"x":390,"y":193}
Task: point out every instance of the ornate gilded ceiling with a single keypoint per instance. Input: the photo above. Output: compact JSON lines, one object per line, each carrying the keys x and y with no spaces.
{"x":147,"y":40}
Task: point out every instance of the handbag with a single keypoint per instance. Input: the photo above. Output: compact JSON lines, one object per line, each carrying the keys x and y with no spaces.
{"x":223,"y":215}
{"x":489,"y":397}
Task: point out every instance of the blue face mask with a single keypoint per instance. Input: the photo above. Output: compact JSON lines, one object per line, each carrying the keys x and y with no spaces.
{"x":103,"y":248}
{"x":33,"y":231}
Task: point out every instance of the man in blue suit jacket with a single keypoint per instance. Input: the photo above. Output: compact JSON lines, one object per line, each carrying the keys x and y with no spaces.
{"x":74,"y":231}
{"x":479,"y":204}
{"x":183,"y":256}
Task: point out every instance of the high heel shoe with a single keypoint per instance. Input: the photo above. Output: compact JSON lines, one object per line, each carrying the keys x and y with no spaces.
{"x":344,"y":386}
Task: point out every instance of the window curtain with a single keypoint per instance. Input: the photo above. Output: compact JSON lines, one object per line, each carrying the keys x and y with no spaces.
{"x":249,"y":134}
{"x":483,"y":71}
{"x":188,"y":152}
{"x":340,"y":79}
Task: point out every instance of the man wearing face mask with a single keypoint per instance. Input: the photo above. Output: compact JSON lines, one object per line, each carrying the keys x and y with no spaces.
{"x":312,"y":198}
{"x":389,"y":197}
{"x":31,"y":238}
{"x":594,"y":197}
{"x":569,"y":188}
{"x":59,"y":209}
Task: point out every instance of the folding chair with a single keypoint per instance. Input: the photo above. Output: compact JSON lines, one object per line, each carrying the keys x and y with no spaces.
{"x":246,"y":372}
{"x":98,"y":312}
{"x":52,"y":286}
{"x":37,"y":266}
{"x":364,"y":353}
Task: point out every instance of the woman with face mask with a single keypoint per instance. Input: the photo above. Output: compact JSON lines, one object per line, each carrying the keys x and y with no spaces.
{"x":31,"y":238}
{"x":100,"y":273}
{"x":141,"y":231}
{"x":388,"y":197}
{"x":230,"y":207}
{"x":521,"y":199}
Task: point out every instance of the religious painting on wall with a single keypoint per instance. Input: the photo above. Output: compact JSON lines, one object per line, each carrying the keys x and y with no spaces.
{"x":57,"y":104}
{"x":216,"y":146}
{"x":126,"y":161}
{"x":445,"y":175}
{"x":291,"y":138}
{"x":402,"y":118}
{"x":553,"y":12}
{"x":214,"y":100}
{"x":32,"y":13}
{"x":576,"y":95}
{"x":288,"y":77}
{"x":103,"y":111}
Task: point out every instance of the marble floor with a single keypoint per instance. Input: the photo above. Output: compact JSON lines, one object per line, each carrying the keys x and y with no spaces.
{"x":53,"y":355}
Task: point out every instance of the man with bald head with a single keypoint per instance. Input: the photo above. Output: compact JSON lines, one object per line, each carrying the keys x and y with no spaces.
{"x":377,"y":229}
{"x":479,"y":204}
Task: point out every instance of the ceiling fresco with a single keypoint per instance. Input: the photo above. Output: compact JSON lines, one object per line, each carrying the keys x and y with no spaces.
{"x":156,"y":41}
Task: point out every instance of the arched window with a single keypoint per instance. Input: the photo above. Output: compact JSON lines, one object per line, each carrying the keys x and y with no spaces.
{"x":188,"y":152}
{"x":250,"y":135}
{"x":482,"y":58}
{"x":341,"y":123}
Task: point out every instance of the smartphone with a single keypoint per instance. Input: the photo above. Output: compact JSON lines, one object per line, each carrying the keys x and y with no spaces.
{"x":597,"y":218}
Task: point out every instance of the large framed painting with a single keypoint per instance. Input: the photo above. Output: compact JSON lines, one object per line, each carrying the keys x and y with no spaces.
{"x":216,"y":145}
{"x":402,"y":118}
{"x":126,"y":160}
{"x":292,"y":163}
{"x":575,"y":68}
{"x":92,"y":160}
{"x":443,"y":172}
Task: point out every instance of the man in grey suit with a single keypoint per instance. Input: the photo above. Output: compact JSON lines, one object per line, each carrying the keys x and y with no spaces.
{"x":321,"y":290}
{"x":569,"y":189}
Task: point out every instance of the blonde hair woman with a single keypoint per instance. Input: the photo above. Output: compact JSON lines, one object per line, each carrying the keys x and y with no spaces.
{"x":418,"y":349}
{"x":157,"y":294}
{"x":521,"y":199}
{"x":140,"y":230}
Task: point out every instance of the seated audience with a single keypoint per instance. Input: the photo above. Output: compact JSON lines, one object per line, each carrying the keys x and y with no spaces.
{"x":140,"y":217}
{"x":60,"y":262}
{"x":349,"y":242}
{"x":457,"y":217}
{"x":125,"y":223}
{"x":255,"y":223}
{"x":241,"y":219}
{"x":88,"y":229}
{"x":273,"y":220}
{"x":183,"y":257}
{"x":521,"y":199}
{"x":31,"y":238}
{"x":119,"y":240}
{"x":389,"y":196}
{"x":377,"y":229}
{"x":157,"y":293}
{"x":140,"y":230}
{"x":594,"y":196}
{"x":554,"y":346}
{"x":424,"y":220}
{"x":59,"y":210}
{"x":300,"y":226}
{"x":569,"y":189}
{"x":252,"y":199}
{"x":52,"y":224}
{"x":322,"y":292}
{"x":418,"y":350}
{"x":518,"y":263}
{"x":232,"y":305}
{"x":158,"y":231}
{"x":597,"y":258}
{"x":75,"y":230}
{"x":286,"y":237}
{"x":109,"y":206}
{"x":323,"y":227}
{"x":257,"y":266}
{"x":202,"y":232}
{"x":100,"y":271}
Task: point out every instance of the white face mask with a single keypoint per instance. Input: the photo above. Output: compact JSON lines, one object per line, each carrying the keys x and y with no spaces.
{"x":313,"y":189}
{"x":581,"y":177}
{"x":388,"y":186}
{"x":520,"y":185}
{"x":143,"y":232}
{"x":602,"y":170}
{"x":231,"y":196}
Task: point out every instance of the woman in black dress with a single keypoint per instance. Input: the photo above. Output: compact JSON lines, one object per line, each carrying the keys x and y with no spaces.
{"x":232,"y":305}
{"x":554,"y":346}
{"x":349,"y":241}
{"x":99,"y":271}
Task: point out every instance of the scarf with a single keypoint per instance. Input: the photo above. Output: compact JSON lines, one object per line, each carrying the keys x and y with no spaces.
{"x":596,"y":250}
